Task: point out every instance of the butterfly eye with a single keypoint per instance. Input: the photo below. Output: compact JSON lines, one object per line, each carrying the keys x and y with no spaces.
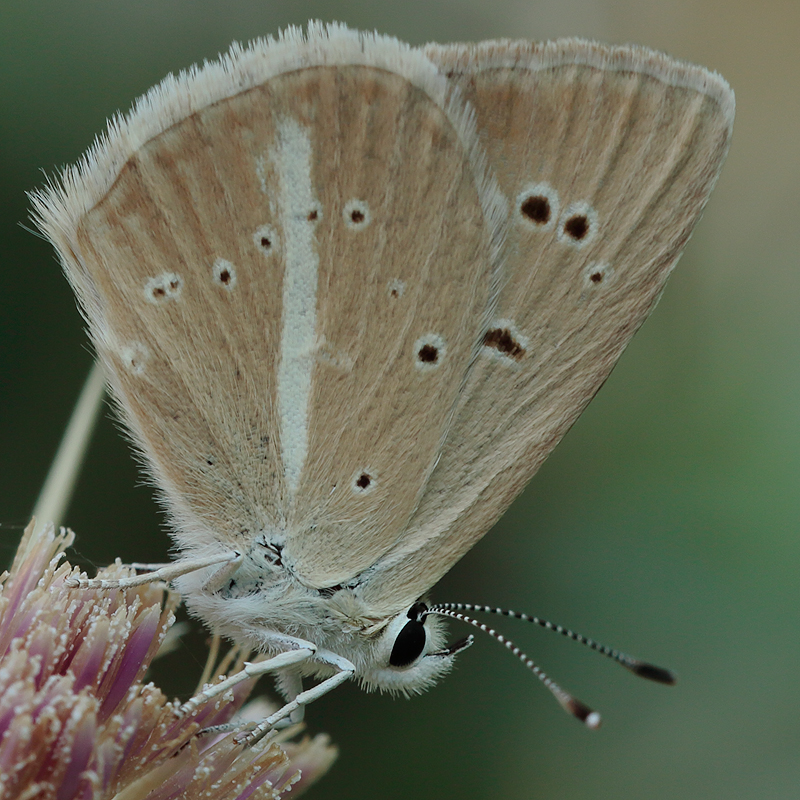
{"x":410,"y":642}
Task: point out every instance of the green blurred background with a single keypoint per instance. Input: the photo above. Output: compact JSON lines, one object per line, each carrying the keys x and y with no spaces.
{"x":666,"y":523}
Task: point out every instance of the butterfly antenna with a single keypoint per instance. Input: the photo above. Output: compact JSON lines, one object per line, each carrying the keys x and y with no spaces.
{"x":569,"y":703}
{"x":641,"y":668}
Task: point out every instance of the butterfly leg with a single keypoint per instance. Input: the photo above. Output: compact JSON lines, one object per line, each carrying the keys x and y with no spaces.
{"x":250,"y":670}
{"x":290,"y":684}
{"x":228,"y":563}
{"x":346,"y":670}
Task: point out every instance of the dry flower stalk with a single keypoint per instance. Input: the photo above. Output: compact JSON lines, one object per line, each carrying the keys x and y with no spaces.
{"x":76,"y":719}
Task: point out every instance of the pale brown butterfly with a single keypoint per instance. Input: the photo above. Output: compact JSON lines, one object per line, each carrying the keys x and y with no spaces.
{"x":349,"y":294}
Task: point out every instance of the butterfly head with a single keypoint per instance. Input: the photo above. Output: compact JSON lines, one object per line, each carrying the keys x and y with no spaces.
{"x":410,"y":654}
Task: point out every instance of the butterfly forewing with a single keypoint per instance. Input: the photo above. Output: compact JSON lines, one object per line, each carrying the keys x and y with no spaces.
{"x":294,"y":367}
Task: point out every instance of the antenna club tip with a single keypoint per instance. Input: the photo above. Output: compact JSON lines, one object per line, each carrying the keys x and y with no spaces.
{"x":590,"y":718}
{"x":593,"y":721}
{"x":654,"y":673}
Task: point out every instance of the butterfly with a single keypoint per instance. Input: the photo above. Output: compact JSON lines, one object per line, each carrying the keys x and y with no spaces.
{"x":349,"y":294}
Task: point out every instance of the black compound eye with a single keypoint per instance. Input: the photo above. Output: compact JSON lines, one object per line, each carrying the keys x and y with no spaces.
{"x":409,"y":644}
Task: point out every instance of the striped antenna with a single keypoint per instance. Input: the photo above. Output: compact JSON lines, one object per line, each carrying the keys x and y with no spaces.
{"x":569,"y":703}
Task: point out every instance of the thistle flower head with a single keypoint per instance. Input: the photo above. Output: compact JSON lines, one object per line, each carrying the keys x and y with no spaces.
{"x":77,"y":721}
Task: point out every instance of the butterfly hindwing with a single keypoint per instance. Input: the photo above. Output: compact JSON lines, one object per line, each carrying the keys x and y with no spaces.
{"x":607,"y":157}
